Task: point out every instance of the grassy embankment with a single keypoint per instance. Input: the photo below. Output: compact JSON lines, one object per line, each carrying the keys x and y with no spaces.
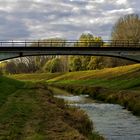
{"x":114,"y":85}
{"x":30,"y":112}
{"x":35,"y":77}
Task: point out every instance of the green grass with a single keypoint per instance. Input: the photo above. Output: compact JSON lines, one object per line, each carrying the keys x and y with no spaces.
{"x":28,"y":111}
{"x":125,"y":77}
{"x":7,"y":87}
{"x":113,"y":83}
{"x":121,"y":84}
{"x":107,"y":73}
{"x":35,"y":76}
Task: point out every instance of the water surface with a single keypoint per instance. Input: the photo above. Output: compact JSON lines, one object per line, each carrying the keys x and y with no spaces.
{"x":111,"y":121}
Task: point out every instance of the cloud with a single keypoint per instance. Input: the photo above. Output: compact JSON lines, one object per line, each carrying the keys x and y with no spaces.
{"x":35,"y":19}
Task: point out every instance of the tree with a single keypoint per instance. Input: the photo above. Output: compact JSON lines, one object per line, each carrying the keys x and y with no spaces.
{"x":127,"y":28}
{"x":56,"y":65}
{"x":53,"y":65}
{"x":2,"y":67}
{"x":64,"y":62}
{"x":75,"y":63}
{"x":88,"y":40}
{"x":95,"y":63}
{"x":47,"y":66}
{"x":85,"y":61}
{"x":11,"y":68}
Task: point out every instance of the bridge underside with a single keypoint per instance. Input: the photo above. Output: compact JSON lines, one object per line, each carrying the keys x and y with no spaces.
{"x":125,"y":53}
{"x":7,"y":56}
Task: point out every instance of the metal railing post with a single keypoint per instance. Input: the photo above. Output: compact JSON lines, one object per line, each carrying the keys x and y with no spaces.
{"x":12,"y":44}
{"x":115,"y":43}
{"x":38,"y":43}
{"x":51,"y":43}
{"x":25,"y":43}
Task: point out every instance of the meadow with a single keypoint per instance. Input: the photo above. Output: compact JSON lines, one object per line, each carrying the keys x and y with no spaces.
{"x":119,"y":85}
{"x":28,"y":111}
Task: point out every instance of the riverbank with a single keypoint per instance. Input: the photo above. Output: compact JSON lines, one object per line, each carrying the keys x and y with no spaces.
{"x":119,"y":85}
{"x":30,"y":112}
{"x":110,"y":120}
{"x":128,"y":99}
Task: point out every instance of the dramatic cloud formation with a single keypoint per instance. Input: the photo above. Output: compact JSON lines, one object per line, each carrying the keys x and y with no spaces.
{"x":37,"y":19}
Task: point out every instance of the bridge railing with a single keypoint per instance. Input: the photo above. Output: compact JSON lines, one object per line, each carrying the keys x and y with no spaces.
{"x":124,"y":43}
{"x":73,"y":43}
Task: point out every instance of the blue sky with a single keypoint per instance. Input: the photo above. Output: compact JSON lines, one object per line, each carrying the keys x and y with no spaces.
{"x":39,"y":19}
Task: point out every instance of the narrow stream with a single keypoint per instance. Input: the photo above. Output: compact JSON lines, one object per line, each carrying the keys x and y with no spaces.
{"x":111,"y":121}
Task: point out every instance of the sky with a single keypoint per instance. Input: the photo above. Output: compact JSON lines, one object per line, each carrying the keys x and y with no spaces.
{"x":41,"y":19}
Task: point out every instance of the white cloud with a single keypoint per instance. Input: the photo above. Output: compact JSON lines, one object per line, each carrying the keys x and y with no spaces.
{"x":90,"y":7}
{"x":75,"y":9}
{"x":27,"y":19}
{"x":119,"y":11}
{"x":122,"y":2}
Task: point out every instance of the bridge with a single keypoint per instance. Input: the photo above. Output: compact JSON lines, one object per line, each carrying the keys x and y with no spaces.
{"x":120,"y":49}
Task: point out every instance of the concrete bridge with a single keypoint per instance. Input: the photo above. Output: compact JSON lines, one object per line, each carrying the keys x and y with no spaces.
{"x":15,"y":49}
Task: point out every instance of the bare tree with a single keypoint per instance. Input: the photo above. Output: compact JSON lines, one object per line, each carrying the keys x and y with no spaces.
{"x":127,"y":28}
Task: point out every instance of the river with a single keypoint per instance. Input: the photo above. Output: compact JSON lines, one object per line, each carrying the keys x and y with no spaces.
{"x":111,"y":121}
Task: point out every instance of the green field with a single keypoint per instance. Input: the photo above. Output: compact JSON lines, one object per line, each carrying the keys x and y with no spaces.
{"x":119,"y":85}
{"x":35,"y":77}
{"x":125,"y":77}
{"x":28,"y":111}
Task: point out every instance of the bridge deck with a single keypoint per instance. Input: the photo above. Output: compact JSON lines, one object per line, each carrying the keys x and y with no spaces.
{"x":34,"y":49}
{"x":122,"y":49}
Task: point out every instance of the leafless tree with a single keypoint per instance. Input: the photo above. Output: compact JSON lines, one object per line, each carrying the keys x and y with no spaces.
{"x":127,"y":28}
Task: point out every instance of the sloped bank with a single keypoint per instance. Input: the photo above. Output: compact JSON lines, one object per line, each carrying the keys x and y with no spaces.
{"x":127,"y":98}
{"x":30,"y":112}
